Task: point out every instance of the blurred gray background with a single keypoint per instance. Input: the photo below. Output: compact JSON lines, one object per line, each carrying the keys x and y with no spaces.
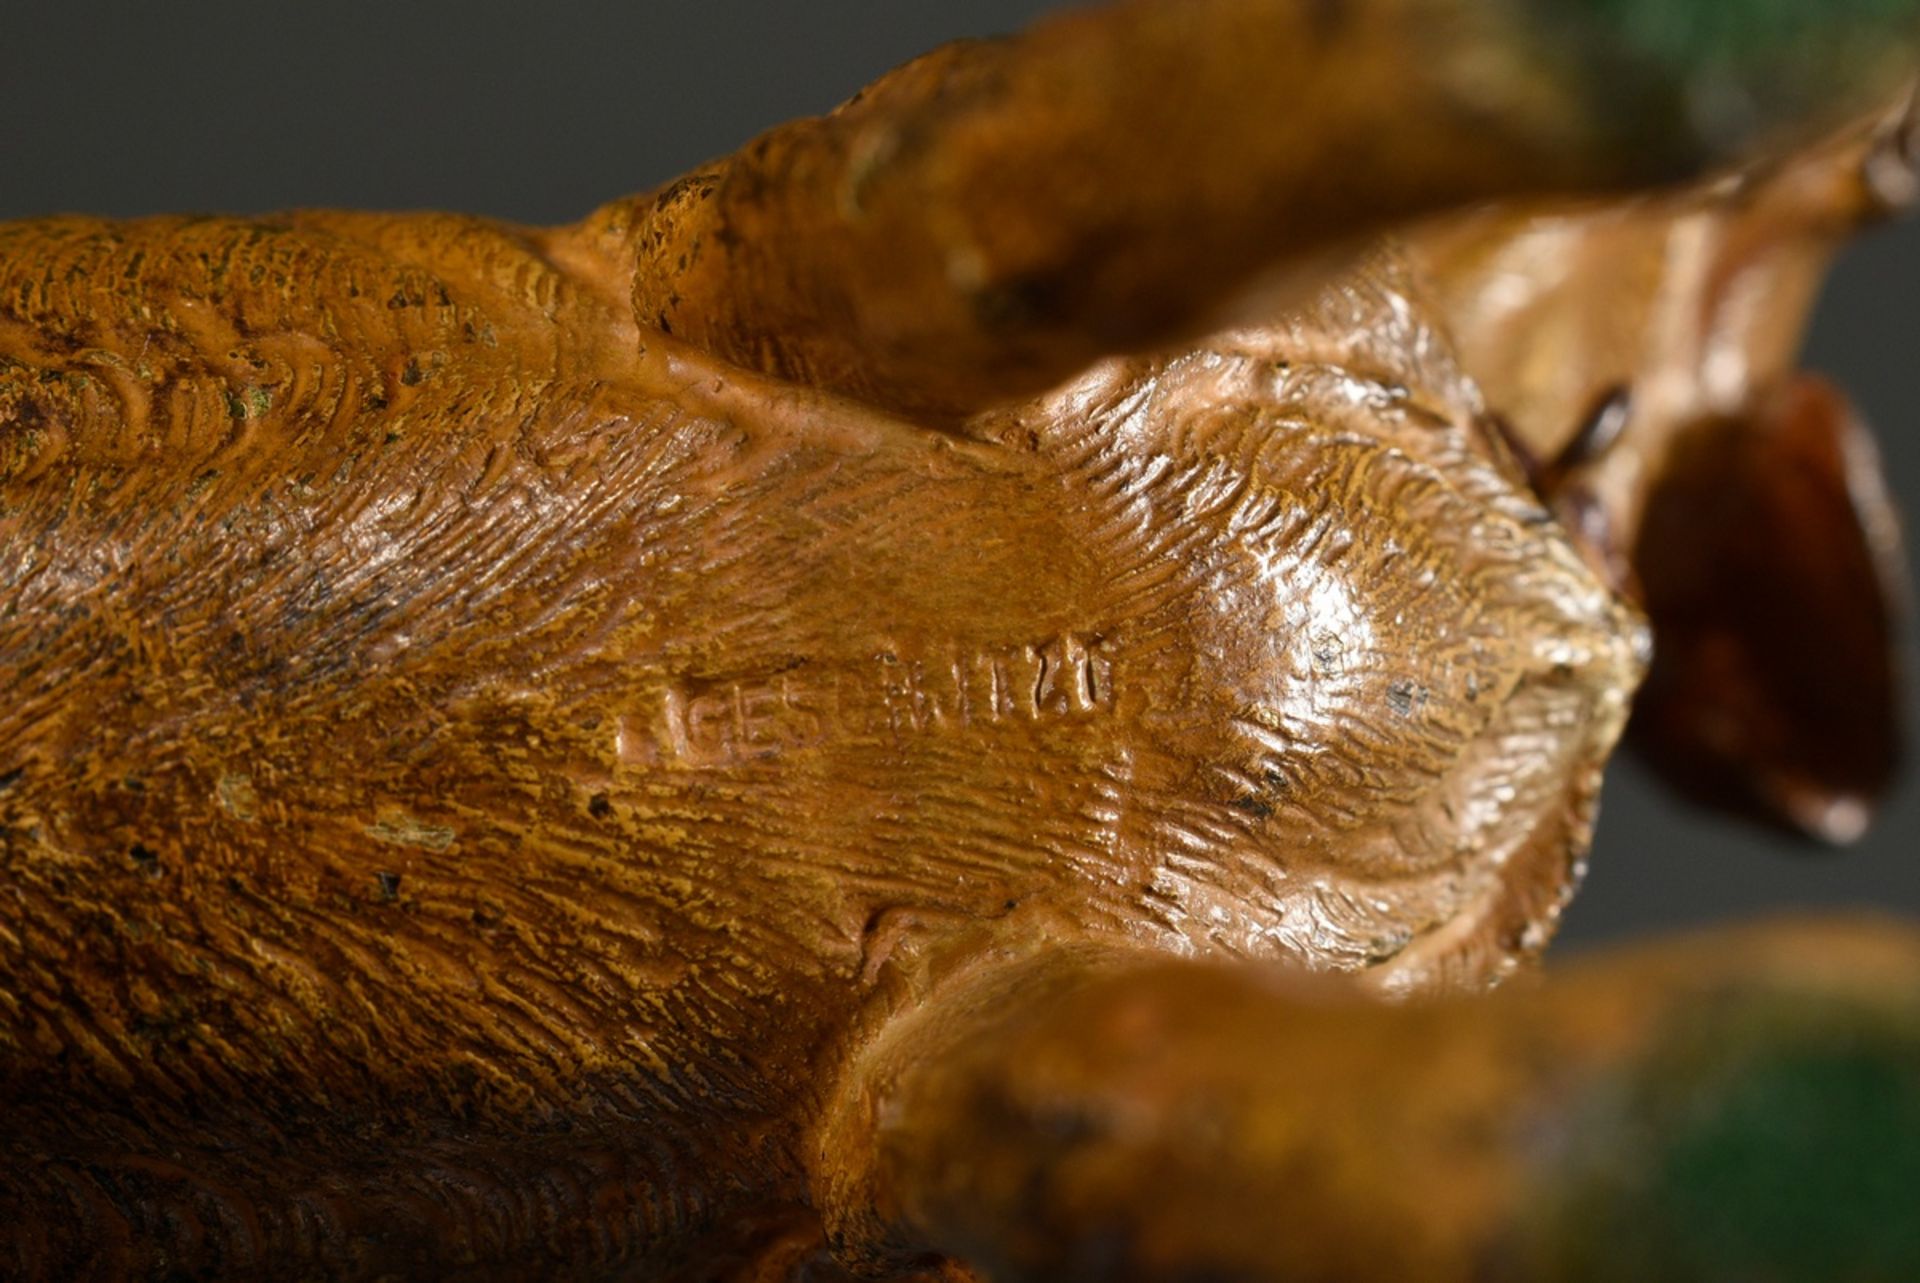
{"x":540,"y":111}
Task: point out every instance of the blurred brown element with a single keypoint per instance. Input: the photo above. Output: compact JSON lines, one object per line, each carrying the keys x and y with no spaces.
{"x":582,"y":753}
{"x":991,"y":218}
{"x":1087,"y":1117}
{"x":1770,"y":563}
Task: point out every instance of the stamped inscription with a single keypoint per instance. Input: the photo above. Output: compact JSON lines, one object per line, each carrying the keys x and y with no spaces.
{"x":723,"y":723}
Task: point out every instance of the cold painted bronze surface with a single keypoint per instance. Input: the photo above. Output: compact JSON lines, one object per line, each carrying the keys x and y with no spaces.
{"x":1739,"y":501}
{"x":525,"y":749}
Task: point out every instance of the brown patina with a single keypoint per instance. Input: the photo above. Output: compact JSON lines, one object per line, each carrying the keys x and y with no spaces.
{"x":827,"y":717}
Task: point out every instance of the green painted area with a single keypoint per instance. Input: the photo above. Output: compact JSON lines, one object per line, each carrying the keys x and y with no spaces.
{"x":1807,"y":1167}
{"x":1695,"y":33}
{"x":249,"y":402}
{"x":1771,"y":1144}
{"x":1658,"y":74}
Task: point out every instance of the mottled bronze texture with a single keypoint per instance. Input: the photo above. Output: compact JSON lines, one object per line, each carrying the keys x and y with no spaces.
{"x":1738,"y":500}
{"x":823,"y":719}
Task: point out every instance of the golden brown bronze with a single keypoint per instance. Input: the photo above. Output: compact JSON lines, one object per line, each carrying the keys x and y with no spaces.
{"x":821,"y":719}
{"x":1735,"y":498}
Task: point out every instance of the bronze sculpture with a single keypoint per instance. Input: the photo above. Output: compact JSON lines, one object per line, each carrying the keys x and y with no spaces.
{"x":543,"y":753}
